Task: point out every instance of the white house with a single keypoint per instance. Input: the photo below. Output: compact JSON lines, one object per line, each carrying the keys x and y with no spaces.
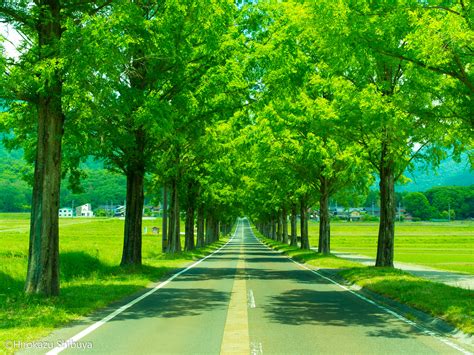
{"x":84,"y":211}
{"x":65,"y":212}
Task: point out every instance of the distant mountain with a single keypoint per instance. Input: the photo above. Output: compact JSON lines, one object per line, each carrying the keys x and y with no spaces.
{"x":449,"y":173}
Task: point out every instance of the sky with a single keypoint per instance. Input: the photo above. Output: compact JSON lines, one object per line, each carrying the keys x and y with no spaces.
{"x":11,"y":39}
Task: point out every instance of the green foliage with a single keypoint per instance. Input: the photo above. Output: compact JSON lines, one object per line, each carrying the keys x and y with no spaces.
{"x":418,"y":205}
{"x":15,"y":194}
{"x":460,"y":199}
{"x":440,"y":201}
{"x":100,"y":187}
{"x":370,"y":218}
{"x":249,"y":107}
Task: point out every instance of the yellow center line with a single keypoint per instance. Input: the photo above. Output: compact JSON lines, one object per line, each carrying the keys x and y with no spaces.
{"x":236,"y":331}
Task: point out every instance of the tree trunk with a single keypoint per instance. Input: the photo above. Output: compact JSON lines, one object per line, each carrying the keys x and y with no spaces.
{"x":387,"y":214}
{"x":273,"y":228}
{"x":164,"y":223}
{"x":190,"y":207}
{"x":189,"y":237}
{"x":285,"y":225}
{"x":132,"y":244}
{"x":43,"y":255}
{"x":171,"y":222}
{"x":279,"y":227}
{"x":216,"y":230}
{"x":324,"y":245}
{"x":177,"y":228}
{"x":175,"y":235}
{"x":304,"y":225}
{"x":209,"y":226}
{"x":293,"y":237}
{"x":200,"y":226}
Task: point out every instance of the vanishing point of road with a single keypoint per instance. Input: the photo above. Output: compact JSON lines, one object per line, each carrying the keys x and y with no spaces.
{"x":247,"y":299}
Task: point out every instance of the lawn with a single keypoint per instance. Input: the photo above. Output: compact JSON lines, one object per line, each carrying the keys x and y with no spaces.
{"x":446,"y":246}
{"x":90,"y":276}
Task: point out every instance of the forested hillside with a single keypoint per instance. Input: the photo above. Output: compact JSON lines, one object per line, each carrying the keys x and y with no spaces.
{"x":449,"y":173}
{"x":100,"y":187}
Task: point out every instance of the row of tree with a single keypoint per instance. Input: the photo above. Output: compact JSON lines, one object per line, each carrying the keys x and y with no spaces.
{"x":350,"y":90}
{"x":226,"y":106}
{"x":146,"y":86}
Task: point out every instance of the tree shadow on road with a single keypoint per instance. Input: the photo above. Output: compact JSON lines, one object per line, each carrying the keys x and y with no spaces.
{"x":229,"y":273}
{"x":176,"y":302}
{"x":330,"y":308}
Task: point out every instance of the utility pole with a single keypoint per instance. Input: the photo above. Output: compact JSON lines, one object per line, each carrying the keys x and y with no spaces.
{"x":449,"y":211}
{"x":72,"y":206}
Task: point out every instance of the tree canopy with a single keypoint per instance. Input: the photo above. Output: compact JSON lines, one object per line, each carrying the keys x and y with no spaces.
{"x":265,"y":108}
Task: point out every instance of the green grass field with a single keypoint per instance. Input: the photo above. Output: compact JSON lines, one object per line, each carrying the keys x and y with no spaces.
{"x":446,"y":246}
{"x":90,"y":276}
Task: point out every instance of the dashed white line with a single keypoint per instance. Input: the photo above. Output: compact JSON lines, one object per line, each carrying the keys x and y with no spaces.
{"x":251,"y":301}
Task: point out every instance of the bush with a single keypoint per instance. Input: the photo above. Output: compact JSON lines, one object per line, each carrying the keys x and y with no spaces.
{"x":370,"y":218}
{"x":445,"y":215}
{"x":418,"y":206}
{"x":100,"y":212}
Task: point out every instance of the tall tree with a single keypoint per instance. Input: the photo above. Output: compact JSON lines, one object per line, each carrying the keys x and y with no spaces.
{"x":302,"y":118}
{"x":391,"y":108}
{"x":153,"y":59}
{"x":37,"y":78}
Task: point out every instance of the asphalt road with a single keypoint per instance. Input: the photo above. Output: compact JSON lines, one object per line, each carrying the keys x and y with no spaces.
{"x":247,"y":299}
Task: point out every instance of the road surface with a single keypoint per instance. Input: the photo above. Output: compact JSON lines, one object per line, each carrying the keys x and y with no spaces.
{"x":247,"y":299}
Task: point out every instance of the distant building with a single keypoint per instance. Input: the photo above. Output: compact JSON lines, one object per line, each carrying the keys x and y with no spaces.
{"x":338,"y":211}
{"x":355,"y":215}
{"x":66,"y":212}
{"x":119,"y":211}
{"x":350,"y":214}
{"x":85,"y":211}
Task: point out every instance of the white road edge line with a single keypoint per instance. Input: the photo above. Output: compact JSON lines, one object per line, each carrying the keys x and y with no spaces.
{"x":385,"y":309}
{"x":251,"y":299}
{"x":90,"y":329}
